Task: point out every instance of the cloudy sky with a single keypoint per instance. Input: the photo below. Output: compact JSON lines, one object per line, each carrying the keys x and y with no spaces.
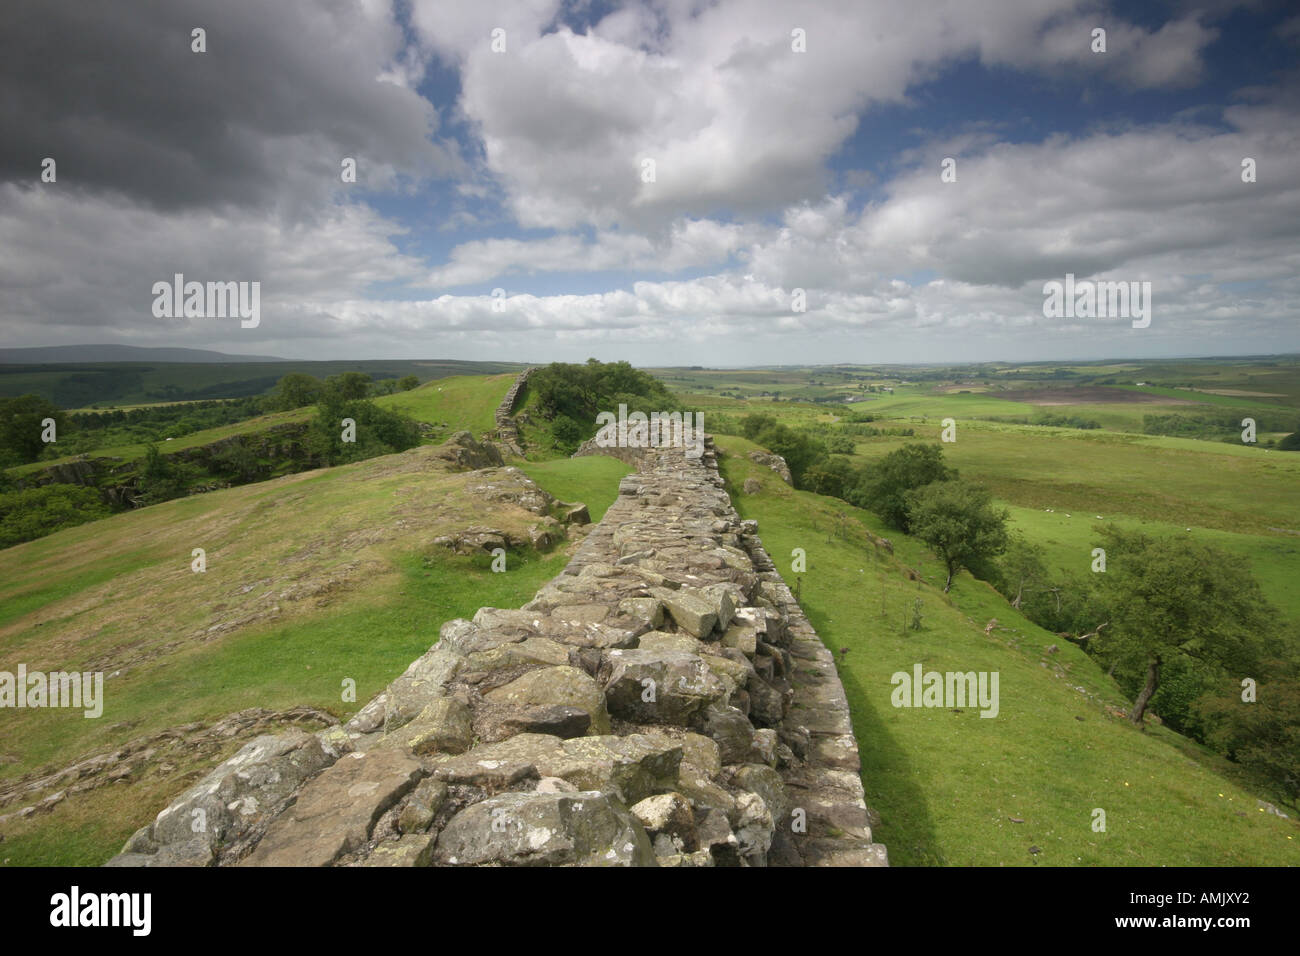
{"x":504,"y":205}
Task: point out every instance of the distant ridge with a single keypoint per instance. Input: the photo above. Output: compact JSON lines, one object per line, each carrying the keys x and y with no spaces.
{"x":120,"y":353}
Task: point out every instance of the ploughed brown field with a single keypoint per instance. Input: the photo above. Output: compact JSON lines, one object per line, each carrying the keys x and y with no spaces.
{"x":1087,"y":395}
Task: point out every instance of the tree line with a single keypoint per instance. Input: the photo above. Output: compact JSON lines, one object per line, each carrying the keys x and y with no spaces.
{"x":21,"y":417}
{"x":32,"y":511}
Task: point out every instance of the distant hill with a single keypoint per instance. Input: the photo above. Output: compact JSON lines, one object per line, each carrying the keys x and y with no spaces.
{"x":137,"y":377}
{"x":119,"y":353}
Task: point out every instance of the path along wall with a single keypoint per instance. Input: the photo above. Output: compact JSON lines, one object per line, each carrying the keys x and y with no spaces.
{"x":663,"y":701}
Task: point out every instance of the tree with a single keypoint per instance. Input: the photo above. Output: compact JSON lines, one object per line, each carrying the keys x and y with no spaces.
{"x":348,"y":386}
{"x":296,"y":390}
{"x":1264,"y":734}
{"x":407,"y":382}
{"x":567,"y":434}
{"x":957,"y":519}
{"x":21,"y":428}
{"x":238,"y":459}
{"x":580,"y":391}
{"x":379,"y":431}
{"x":840,"y":445}
{"x":1023,"y":568}
{"x":163,"y":477}
{"x":1290,"y":442}
{"x":799,"y":450}
{"x":829,"y":477}
{"x":884,"y":485}
{"x":1171,"y":599}
{"x":753,"y":424}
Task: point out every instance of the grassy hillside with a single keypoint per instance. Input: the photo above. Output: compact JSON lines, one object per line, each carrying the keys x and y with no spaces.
{"x":74,"y":384}
{"x":1106,"y":392}
{"x":1238,"y":497}
{"x":311,"y":579}
{"x":951,"y":786}
{"x":449,"y":404}
{"x":460,"y":401}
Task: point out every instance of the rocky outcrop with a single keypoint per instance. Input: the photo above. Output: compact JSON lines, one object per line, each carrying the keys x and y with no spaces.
{"x":279,"y":449}
{"x":774,"y":461}
{"x":663,"y":701}
{"x":461,"y":451}
{"x":507,"y":430}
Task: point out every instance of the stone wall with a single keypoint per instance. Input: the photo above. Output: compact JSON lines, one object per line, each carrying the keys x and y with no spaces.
{"x":663,"y":701}
{"x":507,"y":431}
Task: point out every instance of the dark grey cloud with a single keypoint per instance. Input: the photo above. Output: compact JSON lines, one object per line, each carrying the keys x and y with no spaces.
{"x":113,"y":92}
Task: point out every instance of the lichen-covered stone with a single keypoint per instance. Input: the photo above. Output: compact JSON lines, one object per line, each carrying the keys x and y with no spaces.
{"x":544,"y":829}
{"x":556,"y":686}
{"x":630,"y":767}
{"x":444,"y":726}
{"x":334,"y":813}
{"x":423,"y":682}
{"x":229,"y":801}
{"x":415,"y":849}
{"x":422,"y":806}
{"x":531,"y":650}
{"x":689,"y":610}
{"x":659,"y":687}
{"x":731,"y":731}
{"x":668,"y":816}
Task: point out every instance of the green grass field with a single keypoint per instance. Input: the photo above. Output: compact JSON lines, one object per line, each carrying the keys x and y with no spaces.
{"x":1228,"y":495}
{"x":460,"y":401}
{"x":592,"y":479}
{"x":948,"y":785}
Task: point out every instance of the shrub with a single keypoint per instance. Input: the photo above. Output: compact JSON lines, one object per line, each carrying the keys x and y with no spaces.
{"x":34,"y":512}
{"x":379,"y":431}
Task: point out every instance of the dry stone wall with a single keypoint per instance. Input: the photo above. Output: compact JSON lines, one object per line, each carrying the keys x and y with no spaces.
{"x":663,"y":701}
{"x":507,"y":430}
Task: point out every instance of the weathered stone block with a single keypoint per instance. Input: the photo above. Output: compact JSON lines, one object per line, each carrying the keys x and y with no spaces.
{"x":544,"y":829}
{"x":659,"y":687}
{"x":692,"y":613}
{"x":556,"y":686}
{"x":333,"y":815}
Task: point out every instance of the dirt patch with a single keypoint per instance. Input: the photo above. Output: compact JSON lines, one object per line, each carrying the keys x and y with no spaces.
{"x":1087,"y":395}
{"x":1239,"y":392}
